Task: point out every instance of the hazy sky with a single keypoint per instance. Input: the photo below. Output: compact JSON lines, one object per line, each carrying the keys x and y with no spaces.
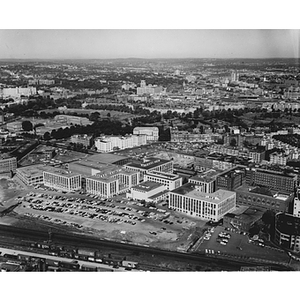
{"x":144,"y":43}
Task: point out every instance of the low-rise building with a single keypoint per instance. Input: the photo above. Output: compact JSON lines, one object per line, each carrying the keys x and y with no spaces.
{"x":149,"y":191}
{"x":242,"y":218}
{"x":207,"y":206}
{"x":32,"y":175}
{"x":263,"y":198}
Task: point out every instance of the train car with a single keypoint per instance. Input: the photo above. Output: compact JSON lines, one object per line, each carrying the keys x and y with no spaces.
{"x":53,"y":269}
{"x":51,"y":262}
{"x":129,"y":264}
{"x":11,"y":256}
{"x":88,"y":268}
{"x":69,"y":265}
{"x":101,"y":269}
{"x":23,"y":257}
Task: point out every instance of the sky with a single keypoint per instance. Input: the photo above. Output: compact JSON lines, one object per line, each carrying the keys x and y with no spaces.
{"x":148,"y":43}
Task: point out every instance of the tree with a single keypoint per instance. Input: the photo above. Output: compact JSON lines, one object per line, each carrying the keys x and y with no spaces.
{"x":47,"y":136}
{"x":233,"y":142}
{"x":108,"y":115}
{"x":27,"y":126}
{"x":268,"y":217}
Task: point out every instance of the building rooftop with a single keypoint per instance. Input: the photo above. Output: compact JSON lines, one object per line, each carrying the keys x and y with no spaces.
{"x":102,"y":179}
{"x":264,"y":191}
{"x":107,"y":158}
{"x":34,"y":170}
{"x":147,"y":163}
{"x":189,"y":190}
{"x":147,"y":186}
{"x":246,"y":214}
{"x":163,"y":175}
{"x":61,"y":172}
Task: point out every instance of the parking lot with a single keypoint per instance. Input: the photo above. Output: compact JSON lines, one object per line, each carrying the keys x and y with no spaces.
{"x":116,"y":218}
{"x":224,"y":241}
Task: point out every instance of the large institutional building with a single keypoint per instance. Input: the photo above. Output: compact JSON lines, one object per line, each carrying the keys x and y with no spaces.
{"x":104,"y":179}
{"x":32,"y":175}
{"x":62,"y":180}
{"x":148,"y":191}
{"x":152,"y":133}
{"x":149,"y":165}
{"x":149,"y":89}
{"x":170,"y":181}
{"x":67,"y":119}
{"x":111,"y":143}
{"x":17,"y":92}
{"x":208,"y":206}
{"x":271,"y":179}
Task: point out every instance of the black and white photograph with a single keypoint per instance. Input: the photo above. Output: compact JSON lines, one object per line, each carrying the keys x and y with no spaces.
{"x":137,"y":149}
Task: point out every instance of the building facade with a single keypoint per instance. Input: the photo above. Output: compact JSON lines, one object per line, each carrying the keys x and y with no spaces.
{"x":149,"y":165}
{"x":62,"y":180}
{"x":170,"y":181}
{"x":7,"y":164}
{"x":207,"y":206}
{"x":148,"y":191}
{"x":152,"y":133}
{"x":105,"y":187}
{"x":271,"y":179}
{"x":263,"y":198}
{"x":287,"y":231}
{"x":111,"y":143}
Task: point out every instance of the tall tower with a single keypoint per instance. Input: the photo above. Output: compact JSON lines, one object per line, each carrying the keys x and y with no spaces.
{"x":143,"y":83}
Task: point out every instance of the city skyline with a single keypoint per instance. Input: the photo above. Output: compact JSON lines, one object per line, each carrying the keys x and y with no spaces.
{"x":148,"y":43}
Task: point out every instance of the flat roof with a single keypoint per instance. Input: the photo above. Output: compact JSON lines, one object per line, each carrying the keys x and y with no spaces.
{"x":148,"y":163}
{"x":34,"y":170}
{"x":163,"y":175}
{"x":103,"y":179}
{"x":190,"y":191}
{"x":264,"y":191}
{"x":106,"y":158}
{"x":147,"y":186}
{"x":61,"y":172}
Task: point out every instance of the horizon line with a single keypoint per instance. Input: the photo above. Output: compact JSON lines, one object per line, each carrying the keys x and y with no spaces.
{"x":143,"y":58}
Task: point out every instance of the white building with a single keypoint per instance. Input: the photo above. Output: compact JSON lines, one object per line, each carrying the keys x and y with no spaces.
{"x":102,"y":186}
{"x":32,"y":175}
{"x":207,"y":206}
{"x":152,"y":133}
{"x":150,"y":165}
{"x":278,"y":158}
{"x":62,"y":180}
{"x":17,"y":92}
{"x":204,"y":184}
{"x":148,"y":191}
{"x":170,"y":181}
{"x":110,"y":143}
